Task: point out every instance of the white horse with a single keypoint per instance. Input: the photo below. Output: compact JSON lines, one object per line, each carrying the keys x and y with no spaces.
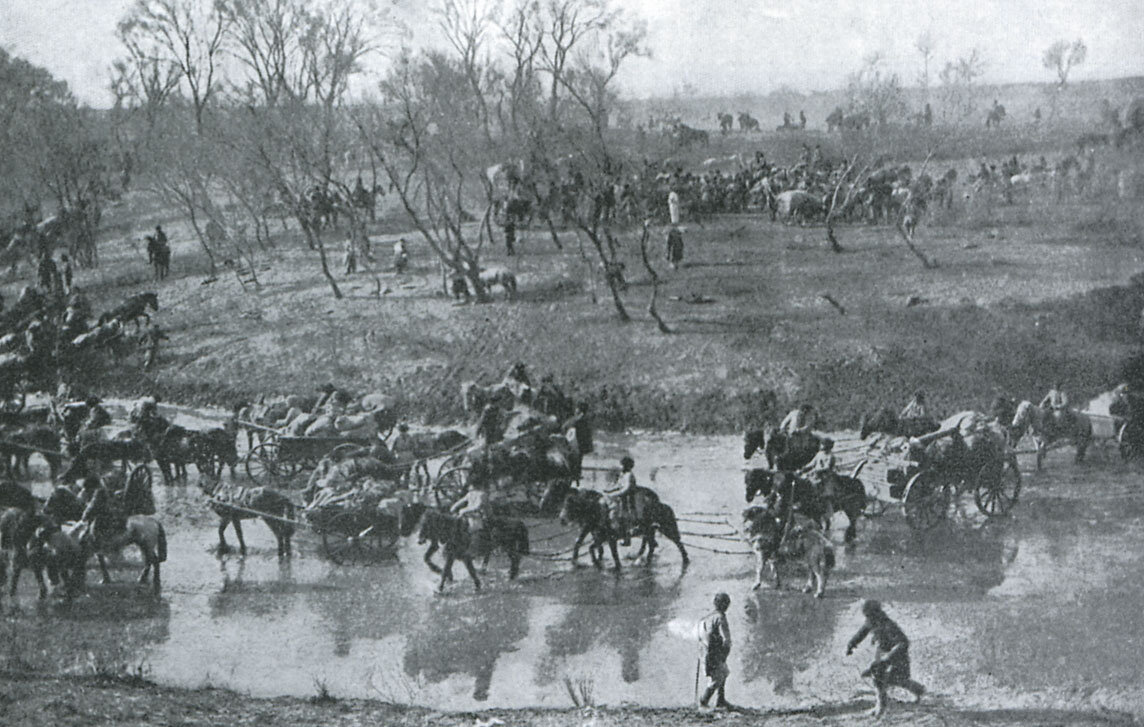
{"x":1048,"y":427}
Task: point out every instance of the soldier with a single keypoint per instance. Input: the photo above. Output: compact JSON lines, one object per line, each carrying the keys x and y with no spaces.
{"x":891,"y":665}
{"x":715,"y":646}
{"x":823,"y":472}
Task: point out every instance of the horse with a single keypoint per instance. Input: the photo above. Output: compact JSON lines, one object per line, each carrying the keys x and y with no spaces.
{"x":783,"y":451}
{"x":212,"y":450}
{"x":791,"y":492}
{"x":499,"y":276}
{"x":1048,"y":428}
{"x":476,"y":397}
{"x":234,"y":504}
{"x":589,"y":510}
{"x":132,"y":310}
{"x":555,"y":460}
{"x":887,"y":421}
{"x":771,"y":540}
{"x":18,"y":444}
{"x":104,"y":451}
{"x":437,"y":528}
{"x":17,"y":526}
{"x":419,"y":447}
{"x":61,"y":544}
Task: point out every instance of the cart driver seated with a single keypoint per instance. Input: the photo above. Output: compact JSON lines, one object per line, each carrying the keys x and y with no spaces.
{"x":1056,"y":402}
{"x":621,"y":501}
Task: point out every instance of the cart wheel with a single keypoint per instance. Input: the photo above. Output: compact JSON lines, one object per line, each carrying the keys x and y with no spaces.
{"x":996,"y":491}
{"x":451,"y":485}
{"x":262,"y":464}
{"x":13,"y":402}
{"x":346,"y":542}
{"x":926,"y":502}
{"x":1129,"y":440}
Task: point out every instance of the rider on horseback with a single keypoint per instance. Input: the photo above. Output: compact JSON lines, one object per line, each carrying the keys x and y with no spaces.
{"x":99,"y":510}
{"x":824,"y":476}
{"x":621,"y":500}
{"x":475,"y":504}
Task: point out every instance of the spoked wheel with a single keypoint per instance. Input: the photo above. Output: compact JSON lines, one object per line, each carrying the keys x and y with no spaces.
{"x":1130,"y":440}
{"x":451,"y":485}
{"x":262,"y":464}
{"x":927,"y":501}
{"x":996,"y":489}
{"x":346,"y":542}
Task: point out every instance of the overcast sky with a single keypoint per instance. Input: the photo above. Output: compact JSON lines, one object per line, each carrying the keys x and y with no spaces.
{"x":717,"y":46}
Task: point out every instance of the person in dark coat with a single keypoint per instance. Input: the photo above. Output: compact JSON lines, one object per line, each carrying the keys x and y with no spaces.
{"x":674,"y":247}
{"x":891,"y":665}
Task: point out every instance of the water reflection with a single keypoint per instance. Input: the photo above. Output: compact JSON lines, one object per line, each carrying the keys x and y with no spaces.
{"x":784,"y":635}
{"x":463,"y":634}
{"x":618,"y":613}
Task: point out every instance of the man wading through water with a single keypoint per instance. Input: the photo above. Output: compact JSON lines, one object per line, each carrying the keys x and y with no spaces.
{"x":715,"y":645}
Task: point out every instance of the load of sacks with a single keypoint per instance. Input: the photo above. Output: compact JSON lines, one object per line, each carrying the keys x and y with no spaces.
{"x":333,"y":414}
{"x":353,"y":480}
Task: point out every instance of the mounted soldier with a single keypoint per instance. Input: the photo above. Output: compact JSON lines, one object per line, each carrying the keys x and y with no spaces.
{"x":621,"y":500}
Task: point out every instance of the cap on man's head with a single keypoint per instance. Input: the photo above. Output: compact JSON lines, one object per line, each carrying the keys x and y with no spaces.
{"x":722,"y":601}
{"x":627,"y":462}
{"x":870,"y":606}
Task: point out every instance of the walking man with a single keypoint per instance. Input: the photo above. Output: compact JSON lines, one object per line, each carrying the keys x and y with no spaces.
{"x":891,"y":665}
{"x":714,"y":647}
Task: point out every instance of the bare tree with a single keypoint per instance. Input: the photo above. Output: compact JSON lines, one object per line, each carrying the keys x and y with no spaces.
{"x":959,"y":85}
{"x":1061,"y":57}
{"x":877,"y":92}
{"x":925,"y":45}
{"x":189,"y":34}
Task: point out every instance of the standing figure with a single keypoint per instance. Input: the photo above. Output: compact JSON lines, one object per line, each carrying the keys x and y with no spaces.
{"x":400,"y":256}
{"x":66,"y":263}
{"x":714,"y":647}
{"x":916,"y":408}
{"x":891,"y":665}
{"x":674,"y":208}
{"x":674,"y":247}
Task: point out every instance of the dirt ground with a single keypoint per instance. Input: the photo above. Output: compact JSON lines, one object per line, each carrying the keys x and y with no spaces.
{"x":88,"y":702}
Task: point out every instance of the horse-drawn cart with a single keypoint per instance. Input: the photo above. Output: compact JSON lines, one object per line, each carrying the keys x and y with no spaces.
{"x":353,"y":533}
{"x":279,"y":458}
{"x":926,"y":474}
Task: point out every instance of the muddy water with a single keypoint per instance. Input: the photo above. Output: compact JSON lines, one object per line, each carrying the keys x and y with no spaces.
{"x":1040,"y":610}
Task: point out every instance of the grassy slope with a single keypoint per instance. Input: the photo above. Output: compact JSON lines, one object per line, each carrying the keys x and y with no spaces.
{"x":1015,"y":301}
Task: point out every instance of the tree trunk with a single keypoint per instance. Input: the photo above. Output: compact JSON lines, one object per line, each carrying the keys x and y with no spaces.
{"x":316,"y":243}
{"x":619,"y":303}
{"x":651,"y":309}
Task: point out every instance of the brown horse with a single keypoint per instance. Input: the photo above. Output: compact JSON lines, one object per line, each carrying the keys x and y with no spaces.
{"x":589,"y":510}
{"x":17,"y":526}
{"x":234,"y":504}
{"x":786,"y":452}
{"x":887,"y":421}
{"x":437,"y":528}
